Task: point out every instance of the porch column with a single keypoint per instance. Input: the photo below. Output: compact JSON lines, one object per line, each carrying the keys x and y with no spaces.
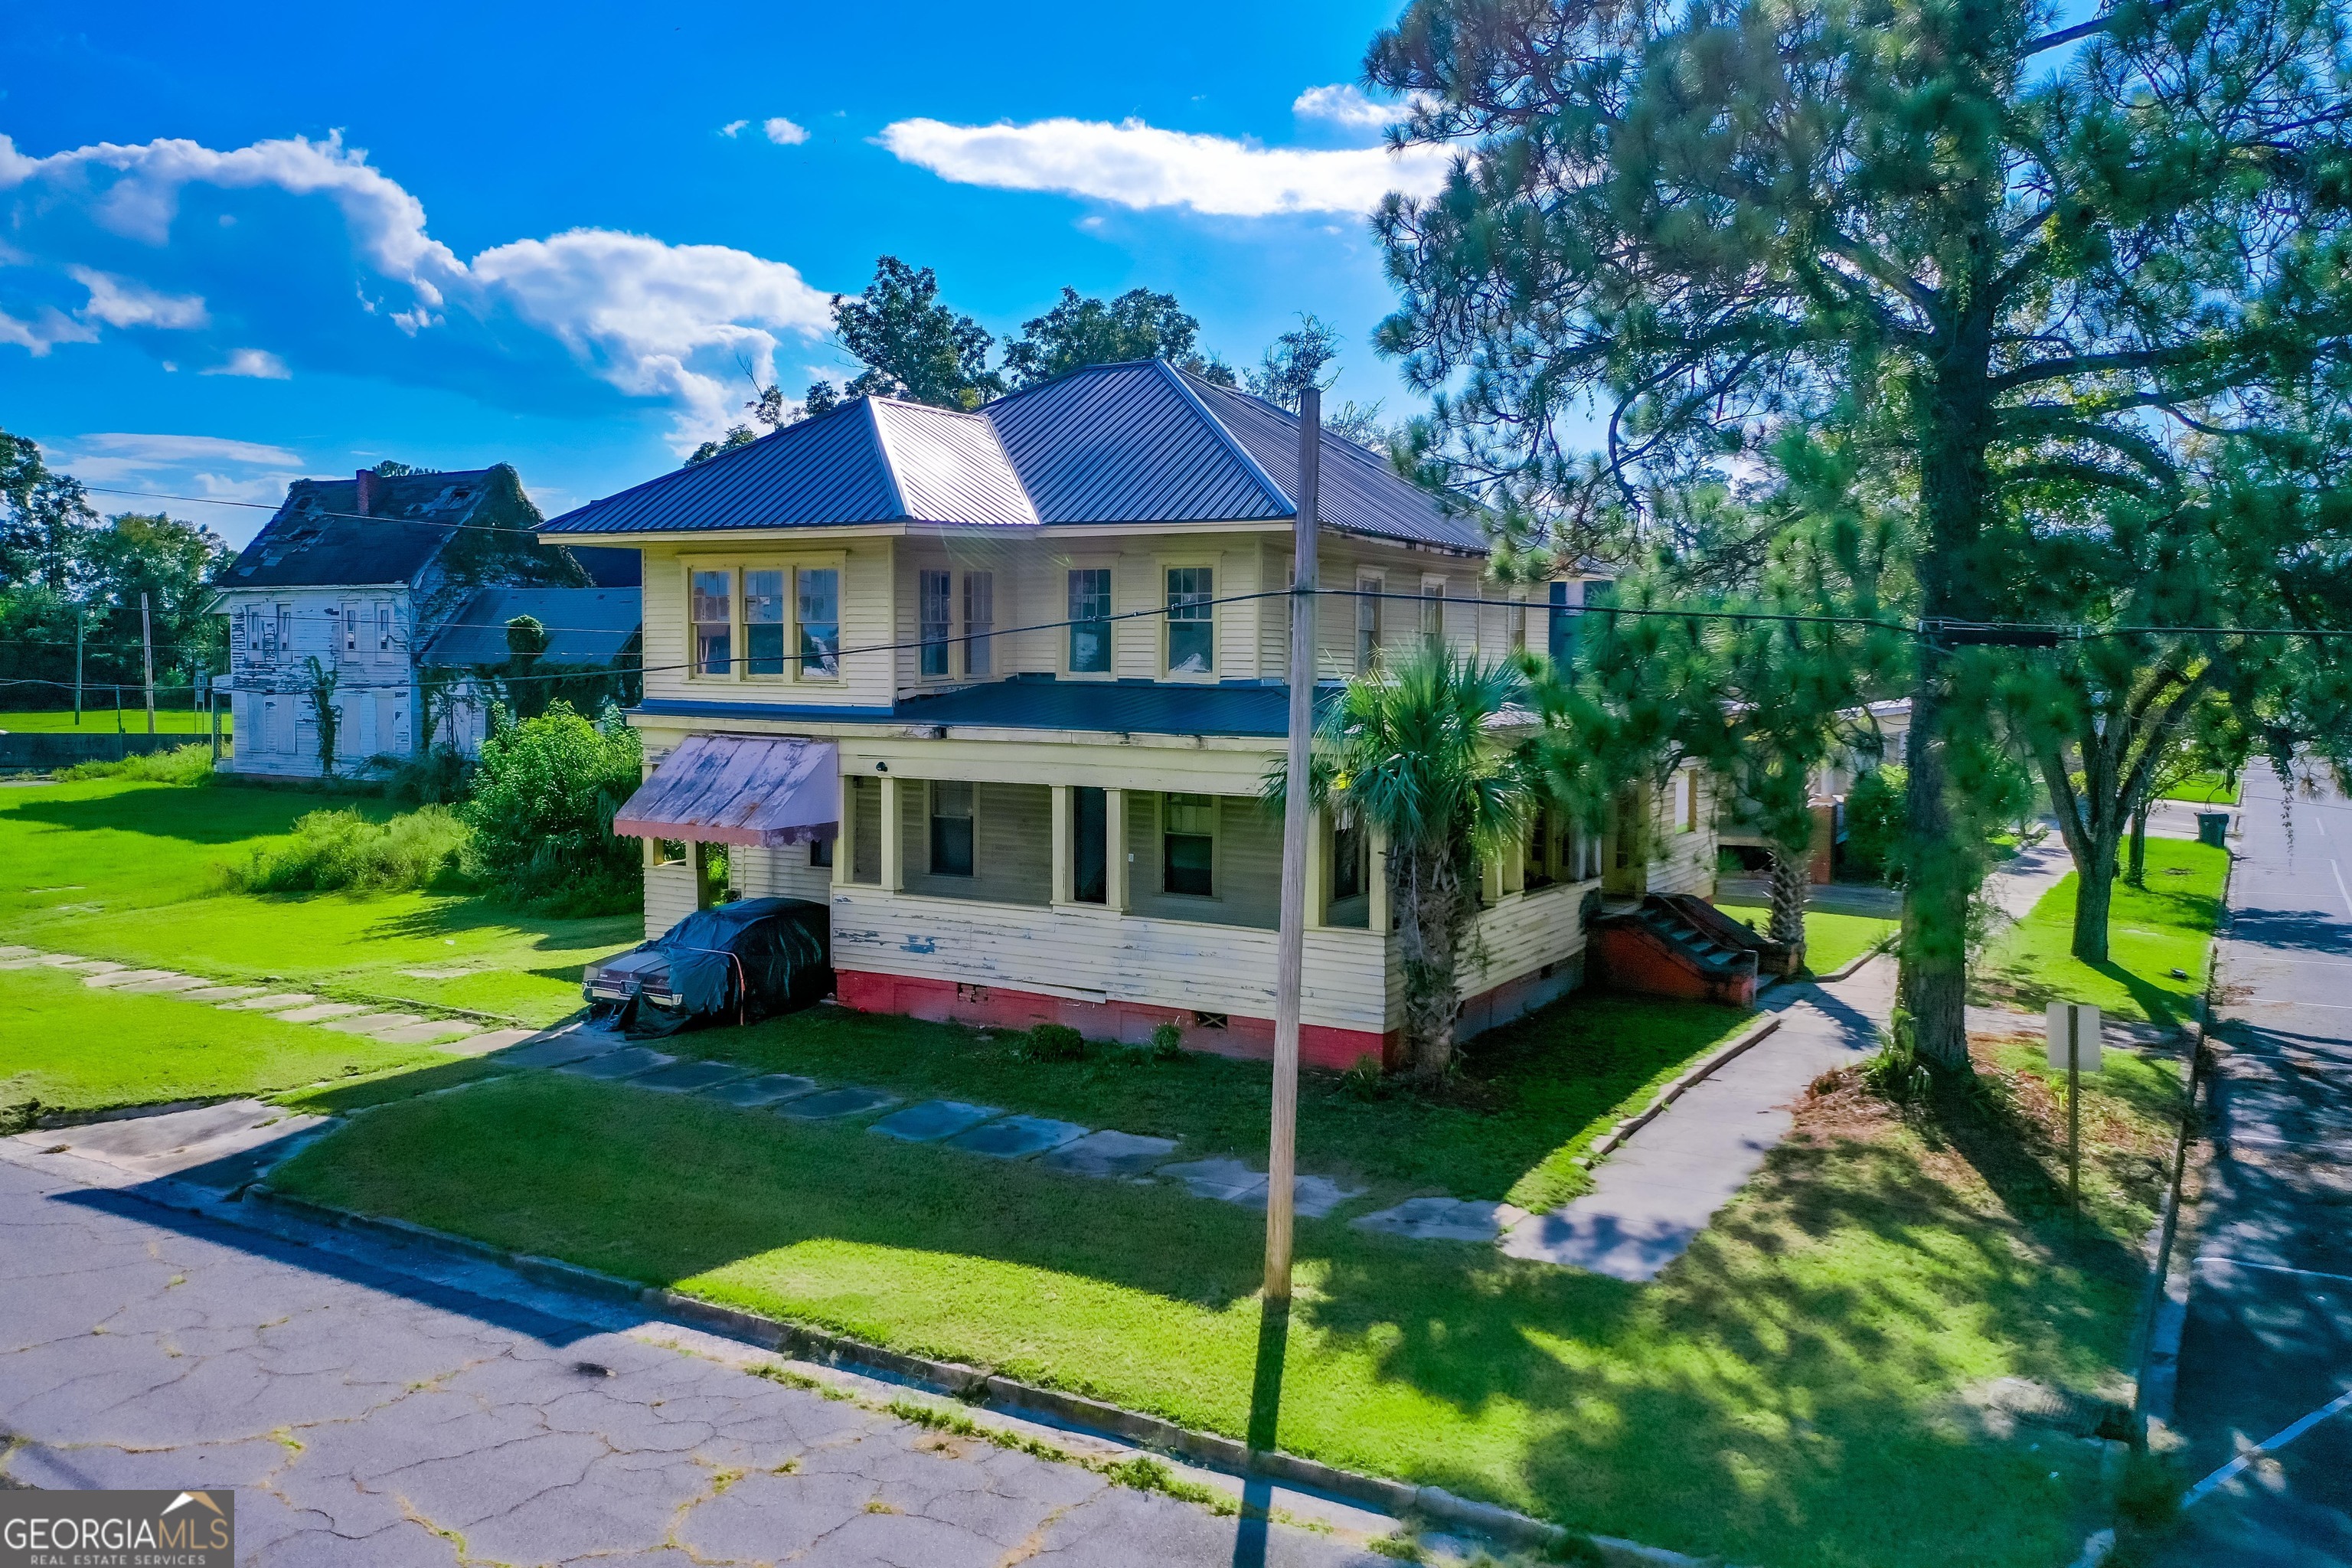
{"x":1491,"y":878}
{"x":1066,"y":879}
{"x":1318,"y":870}
{"x":845,"y":841}
{"x":1116,"y":869}
{"x":894,"y":859}
{"x":1377,"y":914}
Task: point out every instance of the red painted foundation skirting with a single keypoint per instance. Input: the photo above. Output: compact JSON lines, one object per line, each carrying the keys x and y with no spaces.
{"x":1132,"y":1022}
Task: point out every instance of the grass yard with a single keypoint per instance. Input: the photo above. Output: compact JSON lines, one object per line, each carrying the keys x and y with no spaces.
{"x":126,"y":871}
{"x":1530,"y":1096}
{"x":2205,"y":789}
{"x":97,"y":721}
{"x":1831,"y":942}
{"x":2150,"y":933}
{"x":1787,"y":1393}
{"x":150,"y":1049}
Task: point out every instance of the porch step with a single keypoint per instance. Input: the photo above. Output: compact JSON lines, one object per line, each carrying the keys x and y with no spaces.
{"x":1662,"y":948}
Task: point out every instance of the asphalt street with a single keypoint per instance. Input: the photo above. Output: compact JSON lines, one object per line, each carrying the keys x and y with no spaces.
{"x":2266,"y":1351}
{"x":369,"y":1412}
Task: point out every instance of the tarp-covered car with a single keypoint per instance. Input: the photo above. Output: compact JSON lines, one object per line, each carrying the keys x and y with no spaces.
{"x":733,"y":963}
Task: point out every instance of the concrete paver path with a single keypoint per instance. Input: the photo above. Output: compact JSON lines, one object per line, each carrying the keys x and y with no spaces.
{"x":374,"y":1406}
{"x":1661,"y":1188}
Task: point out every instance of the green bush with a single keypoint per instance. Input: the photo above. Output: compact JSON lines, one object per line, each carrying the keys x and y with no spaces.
{"x":1875,"y":822}
{"x":1054,"y":1043}
{"x":545,"y":791}
{"x":441,"y":776}
{"x":179,"y":765}
{"x":343,"y":851}
{"x":1166,"y":1042}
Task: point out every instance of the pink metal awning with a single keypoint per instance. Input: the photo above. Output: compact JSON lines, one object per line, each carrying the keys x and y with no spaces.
{"x":738,"y":789}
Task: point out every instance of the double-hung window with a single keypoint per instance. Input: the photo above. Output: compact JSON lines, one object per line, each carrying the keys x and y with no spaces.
{"x":1090,"y":621}
{"x":714,"y":622}
{"x":763,"y":621}
{"x":978,"y":621}
{"x":820,"y":614}
{"x":1516,"y":618}
{"x":351,"y":629}
{"x":1368,"y":624}
{"x":951,"y":828}
{"x":383,"y":629}
{"x":1192,"y":624}
{"x":282,"y":640}
{"x":935,"y":601}
{"x":1189,"y":845}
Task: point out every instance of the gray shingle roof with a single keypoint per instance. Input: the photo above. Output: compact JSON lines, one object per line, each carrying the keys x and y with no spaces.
{"x":1139,"y":443}
{"x":584,"y":625}
{"x":306,"y":543}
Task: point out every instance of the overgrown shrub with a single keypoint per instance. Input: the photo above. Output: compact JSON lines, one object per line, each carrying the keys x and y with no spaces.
{"x":545,"y":791}
{"x":441,"y":776}
{"x":1875,"y":822}
{"x":179,"y":765}
{"x":2148,"y":1492}
{"x":343,"y":851}
{"x":1896,"y":1071}
{"x":1166,"y":1042}
{"x":1054,"y":1043}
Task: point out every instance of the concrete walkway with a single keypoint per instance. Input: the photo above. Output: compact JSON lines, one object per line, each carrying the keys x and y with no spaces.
{"x":2018,"y":885}
{"x":1658,"y":1192}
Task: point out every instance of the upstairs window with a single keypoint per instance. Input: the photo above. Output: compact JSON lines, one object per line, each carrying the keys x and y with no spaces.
{"x":936,"y":603}
{"x":383,"y":629}
{"x":282,"y":639}
{"x":950,"y":829}
{"x":1090,"y":621}
{"x":1189,"y":845}
{"x":1433,"y":612}
{"x":820,"y":613}
{"x":1368,"y":624}
{"x":763,"y":622}
{"x":1191,"y":625}
{"x":714,"y":622}
{"x":978,"y":621}
{"x":351,"y":629}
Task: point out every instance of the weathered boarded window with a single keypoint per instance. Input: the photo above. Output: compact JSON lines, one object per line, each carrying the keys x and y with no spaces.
{"x":951,"y":828}
{"x":763,"y":622}
{"x":937,"y":604}
{"x":383,"y":629}
{"x":1192,"y":627}
{"x":1518,"y":625}
{"x":1368,"y":624}
{"x":1189,"y":844}
{"x":351,"y":629}
{"x":820,"y":614}
{"x":1433,"y":611}
{"x":714,"y":622}
{"x":1090,"y":621}
{"x":978,"y":621}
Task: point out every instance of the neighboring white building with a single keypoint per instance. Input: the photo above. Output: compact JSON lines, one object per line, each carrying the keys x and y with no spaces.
{"x":358,"y":574}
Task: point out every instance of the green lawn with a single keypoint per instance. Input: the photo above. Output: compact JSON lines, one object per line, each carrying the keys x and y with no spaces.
{"x":2205,"y":789}
{"x":1831,"y":942}
{"x":1530,"y":1097}
{"x":156,"y":1048}
{"x":97,"y":721}
{"x":1781,"y":1396}
{"x":2150,"y":933}
{"x":127,"y":871}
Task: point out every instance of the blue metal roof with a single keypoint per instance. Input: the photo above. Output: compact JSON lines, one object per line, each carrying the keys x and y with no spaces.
{"x":1103,"y":707}
{"x":1138,"y":442}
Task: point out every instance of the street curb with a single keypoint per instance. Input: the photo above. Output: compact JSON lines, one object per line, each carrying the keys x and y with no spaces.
{"x":971,"y":1385}
{"x":1609,"y":1141}
{"x":1853,"y":965}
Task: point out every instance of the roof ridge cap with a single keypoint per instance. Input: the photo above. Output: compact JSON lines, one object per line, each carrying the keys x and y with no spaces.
{"x":889,"y":460}
{"x":1231,"y":443}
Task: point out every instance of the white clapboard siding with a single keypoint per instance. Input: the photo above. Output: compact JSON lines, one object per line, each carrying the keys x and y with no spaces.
{"x":1685,"y":862}
{"x":782,"y":873}
{"x":1094,"y":954}
{"x":669,"y":896}
{"x":1522,"y":933}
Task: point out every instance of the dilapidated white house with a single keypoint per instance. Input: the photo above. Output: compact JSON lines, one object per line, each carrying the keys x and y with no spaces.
{"x":359,"y":575}
{"x":1000,"y":688}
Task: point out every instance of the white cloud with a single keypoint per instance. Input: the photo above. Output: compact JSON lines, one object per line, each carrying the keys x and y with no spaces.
{"x":136,"y":450}
{"x":259,"y":363}
{"x":649,"y":318}
{"x":783,"y":132}
{"x":1139,"y":165}
{"x":120,"y":302}
{"x":733,"y":128}
{"x":1344,"y":104}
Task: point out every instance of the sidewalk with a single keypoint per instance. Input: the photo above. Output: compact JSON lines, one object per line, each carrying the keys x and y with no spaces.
{"x":1650,"y":1199}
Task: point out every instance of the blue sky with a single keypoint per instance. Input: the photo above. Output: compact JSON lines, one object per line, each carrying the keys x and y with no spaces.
{"x":236,"y":253}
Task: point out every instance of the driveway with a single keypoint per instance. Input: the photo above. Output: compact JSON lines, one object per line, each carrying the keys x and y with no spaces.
{"x":370,"y":1411}
{"x":2267,"y":1344}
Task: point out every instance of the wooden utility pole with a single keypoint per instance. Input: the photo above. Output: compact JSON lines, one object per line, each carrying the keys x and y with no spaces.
{"x":1290,"y":950}
{"x":147,"y":658}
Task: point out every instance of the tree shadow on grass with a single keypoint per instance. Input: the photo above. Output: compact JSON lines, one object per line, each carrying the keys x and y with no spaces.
{"x":193,"y":815}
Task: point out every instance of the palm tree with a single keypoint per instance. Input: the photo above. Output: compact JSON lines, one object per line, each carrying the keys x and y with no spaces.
{"x":1417,"y":753}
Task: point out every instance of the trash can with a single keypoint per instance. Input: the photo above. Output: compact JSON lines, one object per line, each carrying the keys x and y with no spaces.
{"x":2211,"y":826}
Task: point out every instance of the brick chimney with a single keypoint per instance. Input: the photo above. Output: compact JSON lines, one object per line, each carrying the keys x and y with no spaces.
{"x":366,"y":478}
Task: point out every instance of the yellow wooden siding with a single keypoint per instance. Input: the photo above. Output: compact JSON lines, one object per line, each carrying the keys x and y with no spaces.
{"x":867,"y":621}
{"x":1094,"y":954}
{"x":669,"y":896}
{"x":783,"y":873}
{"x":1247,"y":874}
{"x":1013,"y":844}
{"x":1522,"y":933}
{"x":1684,"y":861}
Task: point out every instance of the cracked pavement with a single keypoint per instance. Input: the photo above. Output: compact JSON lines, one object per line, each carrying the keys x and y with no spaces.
{"x":366,"y":1417}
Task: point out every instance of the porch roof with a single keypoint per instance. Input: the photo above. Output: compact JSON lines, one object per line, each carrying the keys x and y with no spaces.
{"x":738,"y":789}
{"x":1124,"y":707}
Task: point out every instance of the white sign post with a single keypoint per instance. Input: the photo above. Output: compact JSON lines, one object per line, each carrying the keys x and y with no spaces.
{"x":2074,"y":1045}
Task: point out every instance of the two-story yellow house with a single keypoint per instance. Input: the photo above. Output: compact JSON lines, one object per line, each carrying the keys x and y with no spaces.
{"x":1001,"y":688}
